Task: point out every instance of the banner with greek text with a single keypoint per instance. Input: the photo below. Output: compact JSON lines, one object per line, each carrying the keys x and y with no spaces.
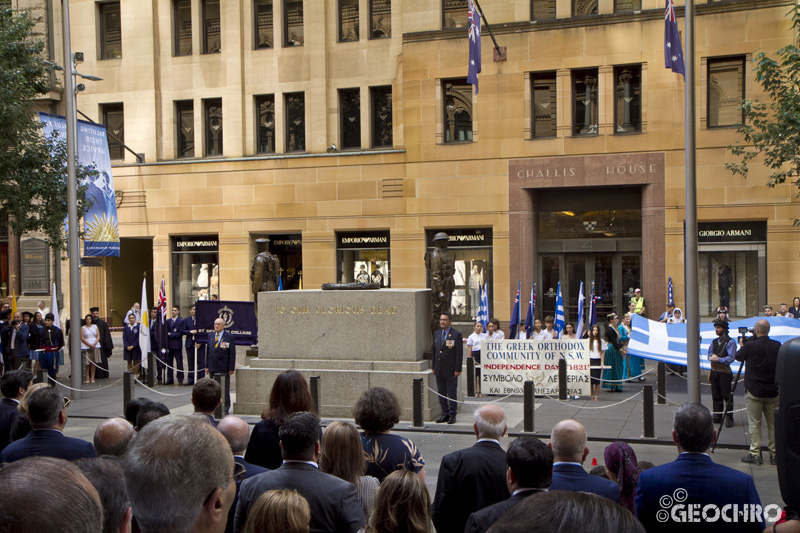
{"x":100,"y":222}
{"x":239,"y":317}
{"x":508,"y":364}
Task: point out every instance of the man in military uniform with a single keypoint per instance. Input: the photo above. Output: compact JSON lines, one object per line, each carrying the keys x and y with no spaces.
{"x":265,"y":270}
{"x":442,"y":269}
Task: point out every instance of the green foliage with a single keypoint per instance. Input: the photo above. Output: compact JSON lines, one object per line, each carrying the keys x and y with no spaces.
{"x":33,"y":180}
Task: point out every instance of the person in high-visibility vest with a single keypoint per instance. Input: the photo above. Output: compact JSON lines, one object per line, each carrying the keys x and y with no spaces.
{"x":638,"y":299}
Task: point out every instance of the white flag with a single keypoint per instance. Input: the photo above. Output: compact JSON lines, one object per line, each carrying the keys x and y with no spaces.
{"x":54,"y":308}
{"x":144,"y":327}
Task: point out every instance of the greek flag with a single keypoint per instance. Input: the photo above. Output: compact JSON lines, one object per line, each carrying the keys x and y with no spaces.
{"x":667,"y":342}
{"x":559,"y":325}
{"x":670,"y":299}
{"x":483,"y":308}
{"x":592,"y":309}
{"x":581,"y":299}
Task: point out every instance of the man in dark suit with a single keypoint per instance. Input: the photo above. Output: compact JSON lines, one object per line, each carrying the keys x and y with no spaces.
{"x":448,"y":354}
{"x":155,"y":347}
{"x":106,"y":343}
{"x":18,"y":352}
{"x":568,"y":442}
{"x":333,"y":501}
{"x":530,"y":470}
{"x":13,"y":385}
{"x":237,"y":433}
{"x":193,"y":348}
{"x":221,"y":355}
{"x":175,"y":345}
{"x":696,"y":483}
{"x":48,"y":416}
{"x":474,"y":478}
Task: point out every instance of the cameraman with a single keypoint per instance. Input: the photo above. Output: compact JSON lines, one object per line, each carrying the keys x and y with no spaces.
{"x":721,"y":353}
{"x":761,"y":393}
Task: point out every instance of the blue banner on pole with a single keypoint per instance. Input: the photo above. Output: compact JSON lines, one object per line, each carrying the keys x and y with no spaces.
{"x":100,"y":222}
{"x":239,"y":317}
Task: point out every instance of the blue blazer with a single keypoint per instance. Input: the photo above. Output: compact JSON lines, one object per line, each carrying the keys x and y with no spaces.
{"x":9,"y":412}
{"x":47,"y":443}
{"x":704,"y":482}
{"x":575,"y":478}
{"x":221,"y":359}
{"x":189,"y":323}
{"x":130,"y":337}
{"x":21,"y":341}
{"x":447,"y":360}
{"x":175,"y":332}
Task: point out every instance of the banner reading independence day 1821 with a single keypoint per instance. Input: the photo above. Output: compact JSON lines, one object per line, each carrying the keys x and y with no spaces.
{"x":100,"y":221}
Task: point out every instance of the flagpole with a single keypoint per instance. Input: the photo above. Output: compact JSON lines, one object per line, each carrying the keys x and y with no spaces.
{"x":484,"y":21}
{"x":690,"y":228}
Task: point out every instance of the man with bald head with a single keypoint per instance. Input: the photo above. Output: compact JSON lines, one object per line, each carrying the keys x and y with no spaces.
{"x":760,"y":355}
{"x":568,"y":442}
{"x":237,"y":433}
{"x":475,"y":477}
{"x":113,"y":437}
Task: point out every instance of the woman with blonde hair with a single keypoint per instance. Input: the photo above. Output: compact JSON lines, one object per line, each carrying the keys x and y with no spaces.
{"x":281,"y":510}
{"x":342,"y":456}
{"x":403,"y":505}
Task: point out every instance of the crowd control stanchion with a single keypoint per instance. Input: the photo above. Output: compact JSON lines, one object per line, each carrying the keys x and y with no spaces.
{"x":662,"y":383}
{"x":470,"y":377}
{"x":41,"y":376}
{"x":562,"y":379}
{"x":417,"y":404}
{"x":218,"y":410}
{"x":151,"y":369}
{"x":648,"y":412}
{"x":314,"y":386}
{"x":127,"y":389}
{"x":529,"y":407}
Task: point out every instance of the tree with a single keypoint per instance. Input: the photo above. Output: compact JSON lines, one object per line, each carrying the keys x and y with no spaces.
{"x":33,"y":180}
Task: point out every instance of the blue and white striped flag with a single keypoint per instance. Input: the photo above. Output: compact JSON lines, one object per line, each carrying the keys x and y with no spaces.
{"x":670,"y":299}
{"x":483,"y":308}
{"x":560,"y":324}
{"x":581,"y":299}
{"x":592,"y":309}
{"x":667,"y":342}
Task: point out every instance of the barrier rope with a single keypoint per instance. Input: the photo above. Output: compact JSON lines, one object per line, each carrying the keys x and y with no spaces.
{"x":159,"y":392}
{"x":593,"y":408}
{"x":196,"y":371}
{"x":685,"y":378}
{"x":84,"y":390}
{"x":673,"y":402}
{"x":469,"y":402}
{"x":630,"y":378}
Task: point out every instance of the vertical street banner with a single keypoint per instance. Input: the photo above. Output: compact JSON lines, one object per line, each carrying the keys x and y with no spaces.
{"x":100,"y":222}
{"x":507,"y":364}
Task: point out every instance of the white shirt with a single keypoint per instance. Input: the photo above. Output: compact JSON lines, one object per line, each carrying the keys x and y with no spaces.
{"x":474,"y":341}
{"x":541,"y":336}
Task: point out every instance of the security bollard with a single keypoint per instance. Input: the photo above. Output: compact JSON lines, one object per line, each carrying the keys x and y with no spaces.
{"x":417,"y":404}
{"x":151,"y":369}
{"x":562,"y":379}
{"x":529,"y":406}
{"x":470,"y":376}
{"x":662,"y":383}
{"x":127,"y":389}
{"x":41,"y":376}
{"x":648,"y":408}
{"x":314,"y":387}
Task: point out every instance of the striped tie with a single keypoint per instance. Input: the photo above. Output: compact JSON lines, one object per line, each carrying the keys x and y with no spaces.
{"x":216,"y":344}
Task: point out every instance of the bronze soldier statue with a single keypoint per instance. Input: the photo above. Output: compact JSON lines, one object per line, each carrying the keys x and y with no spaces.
{"x":265,"y":270}
{"x":441,"y":268}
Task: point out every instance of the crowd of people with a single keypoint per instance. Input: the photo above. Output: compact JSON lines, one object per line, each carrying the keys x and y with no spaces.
{"x":151,"y":471}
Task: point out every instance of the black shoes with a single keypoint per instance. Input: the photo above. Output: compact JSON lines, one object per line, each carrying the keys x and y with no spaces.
{"x":452,"y":420}
{"x":755,"y":459}
{"x":442,"y":419}
{"x":729,"y":421}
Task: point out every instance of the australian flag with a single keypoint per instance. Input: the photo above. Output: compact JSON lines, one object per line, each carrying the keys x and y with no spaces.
{"x":514,"y":325}
{"x":673,"y":53}
{"x":161,"y":320}
{"x":474,"y":45}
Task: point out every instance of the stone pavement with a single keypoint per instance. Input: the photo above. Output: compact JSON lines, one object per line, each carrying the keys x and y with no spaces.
{"x":617,"y":416}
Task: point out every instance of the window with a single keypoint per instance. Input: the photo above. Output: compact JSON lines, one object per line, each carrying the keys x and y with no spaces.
{"x":725,"y":91}
{"x":543,"y":9}
{"x":183,"y":27}
{"x":380,"y":17}
{"x":263,"y":24}
{"x":349,"y":118}
{"x":584,"y":98}
{"x":185,"y":119}
{"x":621,"y":6}
{"x":455,"y":14}
{"x":115,"y":128}
{"x":628,"y":99}
{"x":195,"y":269}
{"x":293,"y":22}
{"x":381,"y":117}
{"x":110,"y":31}
{"x":265,"y":135}
{"x":363,"y":257}
{"x":295,"y":122}
{"x":348,"y":20}
{"x":213,"y":126}
{"x":212,"y":43}
{"x":584,"y":7}
{"x":543,"y":108}
{"x":457,"y":111}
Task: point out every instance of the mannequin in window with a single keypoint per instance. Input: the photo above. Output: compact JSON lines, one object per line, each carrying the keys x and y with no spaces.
{"x":724,"y":282}
{"x":474,"y":291}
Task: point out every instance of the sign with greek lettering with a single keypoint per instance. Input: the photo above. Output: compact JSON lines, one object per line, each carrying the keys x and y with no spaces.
{"x":508,"y":364}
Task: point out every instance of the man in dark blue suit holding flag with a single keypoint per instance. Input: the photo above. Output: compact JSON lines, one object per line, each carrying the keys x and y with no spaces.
{"x":221,"y":354}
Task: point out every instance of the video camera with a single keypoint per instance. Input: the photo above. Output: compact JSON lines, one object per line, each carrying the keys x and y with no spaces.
{"x":743,"y":331}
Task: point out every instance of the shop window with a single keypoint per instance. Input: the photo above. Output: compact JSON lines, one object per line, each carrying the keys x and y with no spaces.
{"x":213,"y":126}
{"x":381,"y":117}
{"x":183,"y":27}
{"x":457,"y":111}
{"x":455,"y":14}
{"x":212,"y":40}
{"x":293,"y":23}
{"x":295,"y":122}
{"x":543,"y":9}
{"x":263,"y":24}
{"x":627,"y":6}
{"x":584,"y":7}
{"x":628,"y":99}
{"x":348,"y":20}
{"x":363,"y":257}
{"x":184,"y":111}
{"x":110,"y":31}
{"x":380,"y":17}
{"x":471,"y":252}
{"x":288,"y":248}
{"x":349,"y":118}
{"x":543,"y":108}
{"x":113,"y":120}
{"x":265,"y":136}
{"x":195,"y":269}
{"x":584,"y":98}
{"x":725,"y":91}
